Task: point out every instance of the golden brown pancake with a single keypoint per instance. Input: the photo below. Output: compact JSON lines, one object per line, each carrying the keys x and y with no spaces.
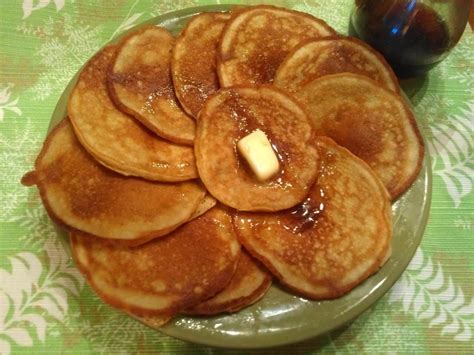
{"x":193,"y":65}
{"x":331,"y":55}
{"x":231,"y":114}
{"x":249,"y":283}
{"x":373,"y":123}
{"x":167,"y":275}
{"x":257,"y":39}
{"x":81,"y":194}
{"x":140,"y":84}
{"x":205,"y":205}
{"x":117,"y":140}
{"x":332,"y":242}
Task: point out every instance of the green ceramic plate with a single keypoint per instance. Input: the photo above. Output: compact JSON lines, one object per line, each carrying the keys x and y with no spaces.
{"x":281,"y":318}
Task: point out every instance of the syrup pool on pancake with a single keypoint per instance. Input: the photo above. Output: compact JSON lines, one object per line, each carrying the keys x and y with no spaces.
{"x":336,"y":239}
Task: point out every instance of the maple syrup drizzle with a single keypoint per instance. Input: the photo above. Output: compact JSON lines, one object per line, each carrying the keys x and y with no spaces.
{"x":305,"y":215}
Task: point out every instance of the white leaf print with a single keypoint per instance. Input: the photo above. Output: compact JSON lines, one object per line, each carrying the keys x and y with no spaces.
{"x":39,"y":324}
{"x":126,"y":24}
{"x":163,"y":6}
{"x":62,"y":55}
{"x":29,"y":6}
{"x":31,"y":293}
{"x":453,"y":149}
{"x":128,"y":21}
{"x":429,"y":295}
{"x":59,"y":4}
{"x":5,"y":103}
{"x":47,"y":304}
{"x":19,"y":336}
{"x":4,"y":347}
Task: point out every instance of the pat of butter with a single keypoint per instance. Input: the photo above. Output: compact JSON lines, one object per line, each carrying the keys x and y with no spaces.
{"x":259,"y":154}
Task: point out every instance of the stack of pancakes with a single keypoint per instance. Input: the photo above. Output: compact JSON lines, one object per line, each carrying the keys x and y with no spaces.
{"x":164,"y":215}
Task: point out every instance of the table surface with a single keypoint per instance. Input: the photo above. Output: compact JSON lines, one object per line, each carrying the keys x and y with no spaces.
{"x":45,"y":305}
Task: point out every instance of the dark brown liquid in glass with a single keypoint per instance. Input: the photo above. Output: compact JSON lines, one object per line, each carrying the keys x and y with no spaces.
{"x":410,"y":35}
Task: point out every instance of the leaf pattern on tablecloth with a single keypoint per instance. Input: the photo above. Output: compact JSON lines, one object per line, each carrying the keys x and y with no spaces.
{"x":337,"y":17}
{"x":125,"y":334}
{"x":430,"y":296}
{"x":164,"y":6}
{"x":18,"y":149}
{"x":67,"y":43}
{"x":452,"y":146}
{"x":34,"y":292}
{"x":37,"y":222}
{"x":31,"y":5}
{"x":6,"y":103}
{"x":128,"y":22}
{"x":461,"y":59}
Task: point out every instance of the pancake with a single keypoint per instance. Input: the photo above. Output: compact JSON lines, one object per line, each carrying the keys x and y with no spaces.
{"x":167,"y":275}
{"x":115,"y":139}
{"x":140,"y":84}
{"x":81,"y":194}
{"x":193,"y":65}
{"x":205,"y":205}
{"x":249,"y":283}
{"x":256,"y":40}
{"x":332,"y":242}
{"x":372,"y":122}
{"x":231,"y":114}
{"x":331,"y":55}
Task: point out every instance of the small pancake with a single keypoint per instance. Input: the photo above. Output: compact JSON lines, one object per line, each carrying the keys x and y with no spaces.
{"x":257,"y":39}
{"x":140,"y":84}
{"x":331,"y":55}
{"x":231,"y":114}
{"x":372,"y":122}
{"x":249,"y":283}
{"x":167,"y":275}
{"x":117,"y":140}
{"x":193,"y":65}
{"x":81,"y":194}
{"x":332,"y":242}
{"x":205,"y":205}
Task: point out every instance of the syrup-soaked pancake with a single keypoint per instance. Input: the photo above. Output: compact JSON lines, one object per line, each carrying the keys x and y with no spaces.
{"x":193,"y":65}
{"x":333,"y":241}
{"x":256,"y":40}
{"x":373,"y":123}
{"x":166,"y":275}
{"x":81,"y":194}
{"x":117,"y":140}
{"x":140,"y":84}
{"x":331,"y":55}
{"x":249,"y":283}
{"x":233,"y":113}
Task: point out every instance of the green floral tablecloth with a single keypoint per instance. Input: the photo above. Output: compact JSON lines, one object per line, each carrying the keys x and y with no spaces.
{"x":45,"y":306}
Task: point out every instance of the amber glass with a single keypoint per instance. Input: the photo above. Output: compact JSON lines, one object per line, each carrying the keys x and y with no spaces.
{"x":413,"y":35}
